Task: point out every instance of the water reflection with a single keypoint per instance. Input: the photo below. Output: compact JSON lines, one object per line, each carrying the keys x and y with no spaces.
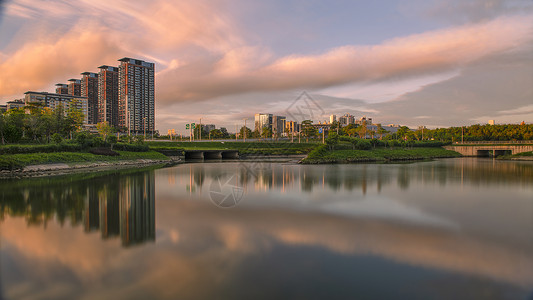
{"x":266,"y":176}
{"x":117,"y":205}
{"x":447,"y":229}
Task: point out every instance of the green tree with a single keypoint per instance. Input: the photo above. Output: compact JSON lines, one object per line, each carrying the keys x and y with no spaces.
{"x":332,"y":140}
{"x":56,"y":138}
{"x":75,"y":117}
{"x":266,"y":133}
{"x":104,"y":129}
{"x":112,"y":140}
{"x":362,"y":130}
{"x":308,"y":129}
{"x":381,"y":131}
{"x":244,"y":130}
{"x":216,"y":134}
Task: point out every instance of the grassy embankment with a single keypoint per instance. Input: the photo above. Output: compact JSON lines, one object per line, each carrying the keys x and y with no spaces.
{"x":245,"y":148}
{"x":322,"y":155}
{"x":18,"y":156}
{"x":518,"y":156}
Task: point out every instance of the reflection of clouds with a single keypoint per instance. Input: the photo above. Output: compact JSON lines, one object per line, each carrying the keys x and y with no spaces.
{"x":385,"y":208}
{"x":214,"y":243}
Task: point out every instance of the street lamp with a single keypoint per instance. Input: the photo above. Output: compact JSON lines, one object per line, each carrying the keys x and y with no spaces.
{"x":144,"y":125}
{"x":244,"y":129}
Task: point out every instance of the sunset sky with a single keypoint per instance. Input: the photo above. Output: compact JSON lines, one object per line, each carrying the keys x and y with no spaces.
{"x":418,"y":62}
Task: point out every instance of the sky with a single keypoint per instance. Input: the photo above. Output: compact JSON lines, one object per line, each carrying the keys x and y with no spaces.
{"x":436,"y":63}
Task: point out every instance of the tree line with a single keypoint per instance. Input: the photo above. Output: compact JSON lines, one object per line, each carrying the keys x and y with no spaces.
{"x":38,"y":124}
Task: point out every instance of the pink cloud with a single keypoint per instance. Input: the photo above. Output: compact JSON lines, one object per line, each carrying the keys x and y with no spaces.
{"x":415,"y":55}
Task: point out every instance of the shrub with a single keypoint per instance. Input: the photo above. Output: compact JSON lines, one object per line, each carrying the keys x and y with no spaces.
{"x":84,"y":138}
{"x":57,"y":138}
{"x":363,"y":144}
{"x":103,"y":151}
{"x":131,"y":147}
{"x":139,"y":139}
{"x":98,"y":142}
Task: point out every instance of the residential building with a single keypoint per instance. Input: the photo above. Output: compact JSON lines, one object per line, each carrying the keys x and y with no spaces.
{"x":278,"y":125}
{"x":108,"y":95}
{"x":89,"y":89}
{"x":347,"y":119}
{"x":332,"y":118}
{"x":62,"y":89}
{"x":17,"y":103}
{"x":136,"y":95}
{"x":491,"y":122}
{"x":74,"y":87}
{"x":55,"y":100}
{"x":262,"y":121}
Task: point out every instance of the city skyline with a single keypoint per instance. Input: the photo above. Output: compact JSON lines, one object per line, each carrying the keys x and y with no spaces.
{"x":434,"y":63}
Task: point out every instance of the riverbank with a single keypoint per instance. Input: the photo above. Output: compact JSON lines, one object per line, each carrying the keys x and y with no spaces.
{"x":51,"y":164}
{"x":322,"y":155}
{"x":526,"y":156}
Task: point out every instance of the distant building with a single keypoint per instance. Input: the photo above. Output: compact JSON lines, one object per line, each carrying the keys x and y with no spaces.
{"x":62,"y":89}
{"x":136,"y":95}
{"x":55,"y":100}
{"x":292,"y":126}
{"x":3,"y":108}
{"x":74,"y":87}
{"x":491,"y":122}
{"x":262,"y":121}
{"x":108,"y":95}
{"x":89,"y":89}
{"x":364,"y":119}
{"x":17,"y":103}
{"x":278,"y":124}
{"x":347,"y":119}
{"x":332,"y":118}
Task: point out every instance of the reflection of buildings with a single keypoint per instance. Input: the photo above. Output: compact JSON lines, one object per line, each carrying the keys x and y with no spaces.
{"x":123,"y":206}
{"x":137,"y":209}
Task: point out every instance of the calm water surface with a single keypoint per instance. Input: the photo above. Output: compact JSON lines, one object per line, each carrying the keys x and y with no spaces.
{"x":445,"y":229}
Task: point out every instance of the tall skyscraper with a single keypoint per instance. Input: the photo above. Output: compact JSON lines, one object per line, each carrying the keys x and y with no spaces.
{"x":108,"y":95}
{"x":332,"y":118}
{"x":89,"y":89}
{"x":136,"y":95}
{"x":62,"y":89}
{"x":74,"y":87}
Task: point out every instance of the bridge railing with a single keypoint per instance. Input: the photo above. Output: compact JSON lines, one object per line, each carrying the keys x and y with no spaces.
{"x":492,"y":142}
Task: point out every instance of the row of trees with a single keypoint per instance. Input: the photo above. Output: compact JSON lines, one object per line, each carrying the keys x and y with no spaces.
{"x":40,"y":123}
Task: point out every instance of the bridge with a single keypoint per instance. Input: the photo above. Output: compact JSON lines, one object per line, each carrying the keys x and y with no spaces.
{"x":491,"y":148}
{"x":211,"y":154}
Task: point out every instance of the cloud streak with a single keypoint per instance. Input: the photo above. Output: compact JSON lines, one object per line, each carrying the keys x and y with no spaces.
{"x":244,"y":70}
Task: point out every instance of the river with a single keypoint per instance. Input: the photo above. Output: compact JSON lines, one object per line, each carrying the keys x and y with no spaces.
{"x":443,"y":229}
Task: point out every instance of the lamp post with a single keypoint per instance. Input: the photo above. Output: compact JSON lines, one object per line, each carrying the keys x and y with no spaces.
{"x":244,"y":129}
{"x":144,"y":127}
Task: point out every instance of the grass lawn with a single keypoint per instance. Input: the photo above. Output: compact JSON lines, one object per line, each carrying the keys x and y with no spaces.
{"x":267,"y":147}
{"x":17,"y":161}
{"x":378,"y":154}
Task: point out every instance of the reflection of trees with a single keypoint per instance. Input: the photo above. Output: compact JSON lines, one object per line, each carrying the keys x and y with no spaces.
{"x":263,"y":176}
{"x":115,"y":204}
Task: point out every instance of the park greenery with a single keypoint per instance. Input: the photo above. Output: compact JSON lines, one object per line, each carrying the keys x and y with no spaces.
{"x":36,"y":134}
